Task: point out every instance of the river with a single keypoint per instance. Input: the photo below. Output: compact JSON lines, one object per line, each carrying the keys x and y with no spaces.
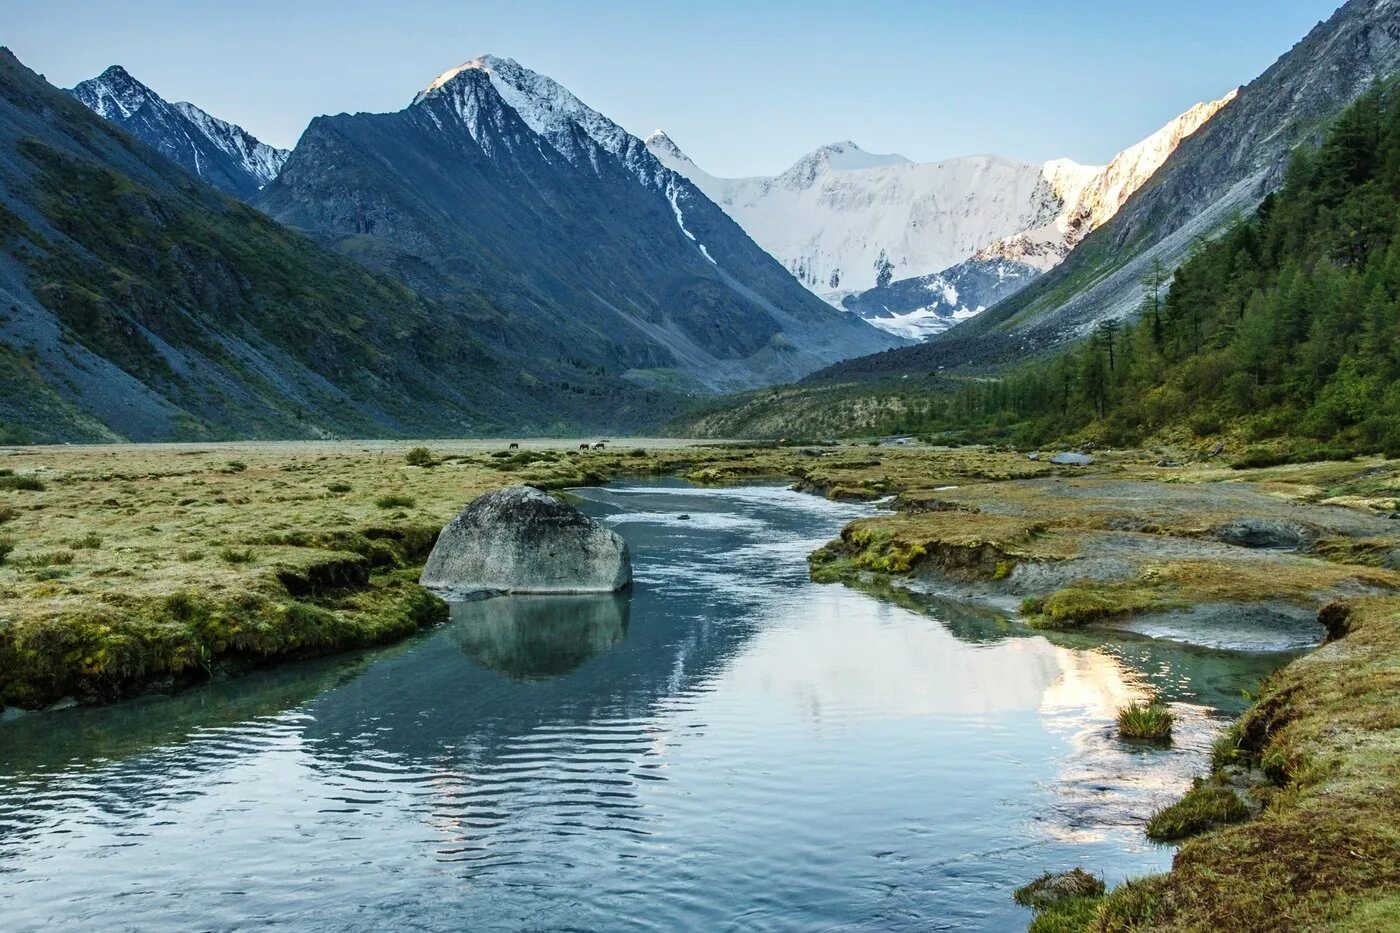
{"x":729,"y":747}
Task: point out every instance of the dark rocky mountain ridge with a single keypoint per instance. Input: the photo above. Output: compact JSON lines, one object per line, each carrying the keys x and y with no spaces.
{"x":591,"y":248}
{"x":222,"y":154}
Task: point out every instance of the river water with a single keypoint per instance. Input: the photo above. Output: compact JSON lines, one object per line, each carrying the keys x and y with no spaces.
{"x":729,"y":747}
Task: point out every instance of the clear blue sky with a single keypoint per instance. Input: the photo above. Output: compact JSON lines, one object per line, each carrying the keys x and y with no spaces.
{"x":745,"y":86}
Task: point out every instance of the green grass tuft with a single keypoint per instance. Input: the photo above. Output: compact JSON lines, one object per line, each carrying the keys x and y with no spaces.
{"x":395,"y":501}
{"x":232,"y":555}
{"x":1147,"y":722}
{"x":1205,"y":806}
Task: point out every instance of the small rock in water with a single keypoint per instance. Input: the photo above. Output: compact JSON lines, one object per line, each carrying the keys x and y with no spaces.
{"x":682,"y":518}
{"x":522,"y":540}
{"x":1069,"y":458}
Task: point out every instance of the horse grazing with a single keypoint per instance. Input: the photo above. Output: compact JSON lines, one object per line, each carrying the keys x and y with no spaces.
{"x":583,"y":446}
{"x":597,"y":446}
{"x":514,"y":445}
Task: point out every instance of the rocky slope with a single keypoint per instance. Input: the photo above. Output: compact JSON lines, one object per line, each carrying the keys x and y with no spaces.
{"x":226,"y":156}
{"x":1215,"y":175}
{"x":879,"y":235}
{"x":496,"y":180}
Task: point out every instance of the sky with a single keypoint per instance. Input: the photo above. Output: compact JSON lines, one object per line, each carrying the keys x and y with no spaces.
{"x":745,"y":87}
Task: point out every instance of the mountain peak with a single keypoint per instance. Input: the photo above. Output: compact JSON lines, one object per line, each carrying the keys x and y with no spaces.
{"x":223,"y":154}
{"x":840,"y":156}
{"x":114,"y":93}
{"x":116,"y":73}
{"x":546,"y":106}
{"x":487,"y":63}
{"x":665,"y":148}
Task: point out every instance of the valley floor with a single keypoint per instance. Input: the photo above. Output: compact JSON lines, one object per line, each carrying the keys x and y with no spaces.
{"x":127,"y":569}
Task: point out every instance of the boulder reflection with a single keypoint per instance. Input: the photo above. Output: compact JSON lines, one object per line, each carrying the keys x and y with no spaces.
{"x":531,"y":638}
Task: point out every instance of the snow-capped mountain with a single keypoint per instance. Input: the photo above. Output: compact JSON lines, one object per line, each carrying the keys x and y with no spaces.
{"x":843,"y":220}
{"x":927,"y":305}
{"x":226,"y":156}
{"x":498,"y":183}
{"x":1096,"y":199}
{"x":846,"y":222}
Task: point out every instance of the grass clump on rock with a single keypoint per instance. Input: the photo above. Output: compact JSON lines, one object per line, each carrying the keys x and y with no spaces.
{"x":1062,"y":901}
{"x":1205,"y":806}
{"x":1085,"y":602}
{"x":1146,"y":722}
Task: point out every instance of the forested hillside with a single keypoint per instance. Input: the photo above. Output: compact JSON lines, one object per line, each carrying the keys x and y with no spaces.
{"x":1287,"y":326}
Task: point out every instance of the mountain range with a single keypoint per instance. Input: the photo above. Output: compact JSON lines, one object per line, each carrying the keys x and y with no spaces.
{"x":480,"y":269}
{"x":1216,"y":175}
{"x":498,"y":180}
{"x":916,"y":247}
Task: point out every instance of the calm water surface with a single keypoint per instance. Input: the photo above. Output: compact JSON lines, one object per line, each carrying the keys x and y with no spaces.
{"x":728,"y":748}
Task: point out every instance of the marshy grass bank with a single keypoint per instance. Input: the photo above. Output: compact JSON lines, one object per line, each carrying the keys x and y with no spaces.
{"x":130,"y":568}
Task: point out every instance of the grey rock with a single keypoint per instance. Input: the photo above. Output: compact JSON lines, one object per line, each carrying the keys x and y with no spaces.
{"x":1263,"y":533}
{"x":522,"y":540}
{"x":1069,"y":458}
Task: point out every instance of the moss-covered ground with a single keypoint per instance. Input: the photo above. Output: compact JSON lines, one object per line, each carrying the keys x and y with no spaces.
{"x":127,"y":568}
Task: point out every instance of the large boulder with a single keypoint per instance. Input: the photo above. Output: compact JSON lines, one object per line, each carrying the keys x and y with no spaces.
{"x":521,"y":540}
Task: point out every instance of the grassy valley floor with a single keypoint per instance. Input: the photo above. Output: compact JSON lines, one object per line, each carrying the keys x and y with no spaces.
{"x":135,"y":568}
